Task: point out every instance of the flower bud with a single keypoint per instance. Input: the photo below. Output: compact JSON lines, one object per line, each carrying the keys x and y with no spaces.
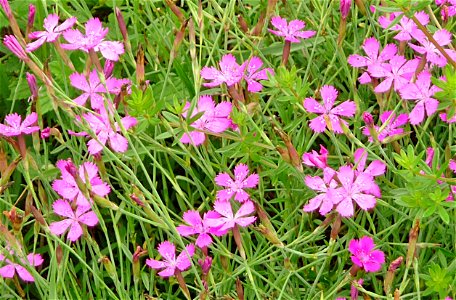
{"x":31,"y":19}
{"x":389,"y":277}
{"x":13,"y":45}
{"x":344,"y":8}
{"x":31,"y":80}
{"x":205,"y":264}
{"x":368,"y":119}
{"x":122,"y":25}
{"x":6,"y":8}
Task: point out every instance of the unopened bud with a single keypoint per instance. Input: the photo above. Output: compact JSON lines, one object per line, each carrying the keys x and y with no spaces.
{"x":6,"y":8}
{"x":239,"y":289}
{"x":413,"y":237}
{"x":108,"y":68}
{"x":31,"y":80}
{"x":15,"y":218}
{"x":13,"y":45}
{"x":30,"y":20}
{"x":108,"y":266}
{"x":140,"y":74}
{"x":368,"y":119}
{"x":344,"y":7}
{"x":122,"y":25}
{"x":389,"y":277}
{"x":205,"y":264}
{"x":243,"y":24}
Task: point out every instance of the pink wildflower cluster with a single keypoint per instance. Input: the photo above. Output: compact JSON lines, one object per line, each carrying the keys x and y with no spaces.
{"x":388,"y":69}
{"x":216,"y":222}
{"x":75,"y":206}
{"x":215,"y":119}
{"x":330,"y":116}
{"x":232,"y":73}
{"x":339,"y":190}
{"x":11,"y":268}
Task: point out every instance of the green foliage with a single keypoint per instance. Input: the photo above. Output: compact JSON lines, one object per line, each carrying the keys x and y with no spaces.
{"x":437,"y":281}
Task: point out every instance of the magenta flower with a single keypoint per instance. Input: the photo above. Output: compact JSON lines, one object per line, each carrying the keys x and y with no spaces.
{"x":329,"y":116}
{"x":93,"y":88}
{"x":236,"y":187}
{"x":443,"y":38}
{"x":230,"y":72}
{"x":51,"y":33}
{"x":422,"y":92}
{"x":364,"y":255}
{"x":223,"y":219}
{"x":374,"y":169}
{"x":171,"y":263}
{"x":292,"y":31}
{"x":355,"y":188}
{"x":406,"y":27}
{"x":67,"y":187}
{"x":353,"y":290}
{"x":93,"y":39}
{"x":326,"y":187}
{"x":215,"y":119}
{"x":198,"y":226}
{"x":15,"y":126}
{"x":390,"y":126}
{"x":449,"y":10}
{"x":11,"y":268}
{"x":344,"y":7}
{"x":106,"y":132}
{"x":252,"y":75}
{"x":372,"y":48}
{"x":13,"y":45}
{"x":398,"y":71}
{"x":313,"y":159}
{"x":83,"y":214}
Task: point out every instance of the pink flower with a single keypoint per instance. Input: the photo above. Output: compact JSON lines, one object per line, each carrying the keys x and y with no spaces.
{"x":13,"y":45}
{"x":51,"y":33}
{"x":230,"y":72}
{"x":198,"y":226}
{"x":355,"y":188}
{"x":11,"y":268}
{"x":215,"y":118}
{"x":31,"y":81}
{"x":93,"y":88}
{"x":443,"y":38}
{"x":223,"y":218}
{"x":390,"y":124}
{"x":344,"y":7}
{"x":252,"y":75}
{"x":449,"y":9}
{"x":329,"y":115}
{"x":15,"y":126}
{"x":326,"y":187}
{"x":398,"y":71}
{"x":67,"y":187}
{"x":170,"y":262}
{"x":421,"y":91}
{"x":236,"y":187}
{"x":313,"y":159}
{"x":292,"y":31}
{"x":374,"y":169}
{"x":371,"y":47}
{"x":364,"y":256}
{"x":93,"y":39}
{"x":83,"y":214}
{"x":406,"y":27}
{"x":106,"y":132}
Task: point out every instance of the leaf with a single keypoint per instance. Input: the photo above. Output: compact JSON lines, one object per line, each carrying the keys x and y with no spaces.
{"x":443,"y":214}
